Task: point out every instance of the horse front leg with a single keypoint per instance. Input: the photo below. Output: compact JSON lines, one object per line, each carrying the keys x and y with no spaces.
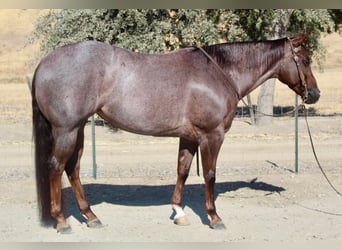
{"x":186,"y":153}
{"x":210,"y":146}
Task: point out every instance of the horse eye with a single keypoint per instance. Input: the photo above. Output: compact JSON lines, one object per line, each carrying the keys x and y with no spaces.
{"x":306,"y":62}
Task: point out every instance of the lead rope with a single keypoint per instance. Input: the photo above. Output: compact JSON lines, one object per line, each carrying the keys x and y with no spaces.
{"x":320,"y":167}
{"x":302,"y":106}
{"x":314,"y":152}
{"x":301,"y":76}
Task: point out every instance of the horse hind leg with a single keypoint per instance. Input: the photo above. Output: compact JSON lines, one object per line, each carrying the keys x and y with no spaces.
{"x":73,"y":171}
{"x":64,"y":145}
{"x":186,"y":153}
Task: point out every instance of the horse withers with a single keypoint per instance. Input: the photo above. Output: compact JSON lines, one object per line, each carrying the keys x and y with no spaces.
{"x":191,"y":93}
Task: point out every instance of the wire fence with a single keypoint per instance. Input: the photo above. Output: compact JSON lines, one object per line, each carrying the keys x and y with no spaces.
{"x":278,"y":111}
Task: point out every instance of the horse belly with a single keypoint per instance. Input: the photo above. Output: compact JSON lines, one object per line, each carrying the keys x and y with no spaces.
{"x":148,"y":117}
{"x":166,"y":112}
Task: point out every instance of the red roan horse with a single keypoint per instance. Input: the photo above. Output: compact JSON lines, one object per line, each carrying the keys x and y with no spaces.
{"x":191,"y":93}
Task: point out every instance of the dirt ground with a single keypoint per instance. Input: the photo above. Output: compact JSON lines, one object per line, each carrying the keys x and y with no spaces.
{"x":258,"y":195}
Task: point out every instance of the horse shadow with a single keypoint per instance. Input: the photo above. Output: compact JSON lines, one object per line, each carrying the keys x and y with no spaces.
{"x":157,"y":195}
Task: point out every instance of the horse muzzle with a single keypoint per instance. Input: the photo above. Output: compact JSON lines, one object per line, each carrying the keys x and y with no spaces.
{"x":311,"y":96}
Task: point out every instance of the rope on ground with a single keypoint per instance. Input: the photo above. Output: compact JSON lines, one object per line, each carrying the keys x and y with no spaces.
{"x":315,"y":155}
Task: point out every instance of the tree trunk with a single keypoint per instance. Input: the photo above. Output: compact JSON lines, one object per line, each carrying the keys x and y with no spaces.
{"x":265,"y":103}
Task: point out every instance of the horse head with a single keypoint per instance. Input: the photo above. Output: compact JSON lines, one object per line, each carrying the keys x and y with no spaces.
{"x":295,"y":70}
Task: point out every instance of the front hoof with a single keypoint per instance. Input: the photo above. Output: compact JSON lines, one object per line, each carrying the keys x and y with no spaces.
{"x":64,"y":229}
{"x":218,"y":226}
{"x":182,"y":221}
{"x":95,"y":223}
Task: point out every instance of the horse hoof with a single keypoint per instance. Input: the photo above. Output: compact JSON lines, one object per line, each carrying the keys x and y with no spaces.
{"x":64,"y":229}
{"x":182,"y":221}
{"x":95,"y":223}
{"x":218,"y":226}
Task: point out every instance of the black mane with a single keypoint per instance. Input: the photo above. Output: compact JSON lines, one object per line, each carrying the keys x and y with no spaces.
{"x":248,"y":54}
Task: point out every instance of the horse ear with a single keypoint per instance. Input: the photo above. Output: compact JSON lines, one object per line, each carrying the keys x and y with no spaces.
{"x":298,"y":40}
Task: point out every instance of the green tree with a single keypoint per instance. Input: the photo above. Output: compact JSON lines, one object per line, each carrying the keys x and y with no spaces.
{"x":146,"y":30}
{"x":336,"y":15}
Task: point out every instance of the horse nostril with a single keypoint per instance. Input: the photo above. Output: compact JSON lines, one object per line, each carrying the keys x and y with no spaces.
{"x":312,"y":97}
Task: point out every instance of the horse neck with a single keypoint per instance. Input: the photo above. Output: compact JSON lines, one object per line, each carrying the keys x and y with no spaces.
{"x":248,"y":64}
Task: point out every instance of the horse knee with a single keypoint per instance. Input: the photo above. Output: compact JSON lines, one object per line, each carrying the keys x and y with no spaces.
{"x":184,"y":172}
{"x":184,"y":164}
{"x":210,"y":177}
{"x":54,"y":165}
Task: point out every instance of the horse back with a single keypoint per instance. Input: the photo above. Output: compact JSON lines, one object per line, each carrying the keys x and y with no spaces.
{"x":141,"y":93}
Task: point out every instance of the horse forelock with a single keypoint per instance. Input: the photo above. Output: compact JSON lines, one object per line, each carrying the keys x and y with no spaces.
{"x":248,"y":54}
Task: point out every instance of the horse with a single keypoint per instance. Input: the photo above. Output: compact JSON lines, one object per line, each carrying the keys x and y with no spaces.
{"x":191,"y":93}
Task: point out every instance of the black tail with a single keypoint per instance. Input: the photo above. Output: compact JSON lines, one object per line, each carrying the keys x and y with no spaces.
{"x":43,"y":141}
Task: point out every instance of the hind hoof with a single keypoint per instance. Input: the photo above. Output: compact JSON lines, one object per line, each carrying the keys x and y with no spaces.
{"x":95,"y":223}
{"x":218,"y":226}
{"x":64,"y":229}
{"x":182,"y":221}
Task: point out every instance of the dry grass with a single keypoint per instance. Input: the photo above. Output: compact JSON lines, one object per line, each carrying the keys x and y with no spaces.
{"x":15,"y":104}
{"x":16,"y":55}
{"x":17,"y":60}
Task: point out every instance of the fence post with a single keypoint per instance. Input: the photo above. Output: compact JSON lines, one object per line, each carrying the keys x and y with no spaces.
{"x":93,"y":146}
{"x":251,"y":111}
{"x":296,"y":133}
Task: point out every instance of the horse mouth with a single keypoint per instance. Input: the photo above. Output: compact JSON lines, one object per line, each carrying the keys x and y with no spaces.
{"x":312,"y":96}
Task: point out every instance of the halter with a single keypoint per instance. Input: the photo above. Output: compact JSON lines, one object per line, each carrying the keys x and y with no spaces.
{"x":300,"y":72}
